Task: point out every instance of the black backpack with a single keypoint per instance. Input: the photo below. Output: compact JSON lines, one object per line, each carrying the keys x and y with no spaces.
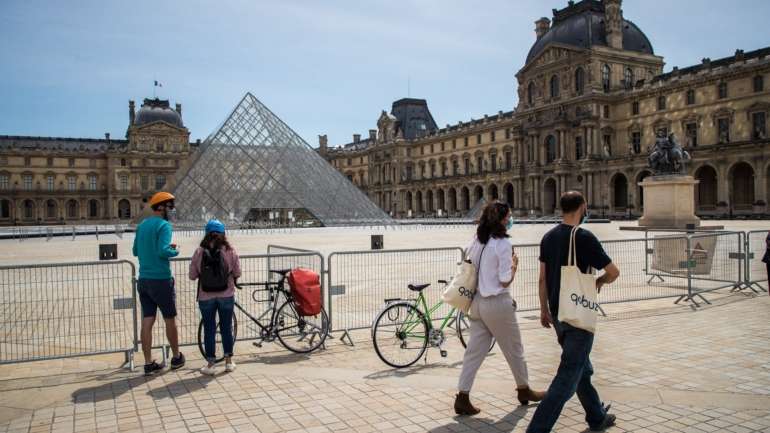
{"x":214,"y":275}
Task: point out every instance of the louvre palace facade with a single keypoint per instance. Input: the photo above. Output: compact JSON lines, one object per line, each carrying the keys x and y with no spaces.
{"x":592,"y":96}
{"x":51,"y":180}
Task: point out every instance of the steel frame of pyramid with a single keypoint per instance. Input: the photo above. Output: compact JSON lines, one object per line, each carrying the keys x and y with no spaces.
{"x":255,"y":161}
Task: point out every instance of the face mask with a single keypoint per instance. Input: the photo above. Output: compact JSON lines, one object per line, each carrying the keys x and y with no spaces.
{"x":509,"y":223}
{"x":171,"y":215}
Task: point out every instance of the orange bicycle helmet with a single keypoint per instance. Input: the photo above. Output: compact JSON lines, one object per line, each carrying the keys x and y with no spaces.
{"x":160,"y":197}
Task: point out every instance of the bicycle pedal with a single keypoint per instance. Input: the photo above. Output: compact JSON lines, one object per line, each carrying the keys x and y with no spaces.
{"x":443,"y":353}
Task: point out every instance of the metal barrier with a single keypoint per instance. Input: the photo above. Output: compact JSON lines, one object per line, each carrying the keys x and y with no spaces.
{"x":756,"y":270}
{"x":360,"y":281}
{"x":254,"y":268}
{"x":65,"y":310}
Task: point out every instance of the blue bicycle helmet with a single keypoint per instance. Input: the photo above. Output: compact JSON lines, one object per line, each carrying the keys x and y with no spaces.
{"x":215,"y":226}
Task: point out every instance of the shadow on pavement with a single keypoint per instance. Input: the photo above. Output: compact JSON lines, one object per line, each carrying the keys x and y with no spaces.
{"x":480,"y":422}
{"x":188,"y":385}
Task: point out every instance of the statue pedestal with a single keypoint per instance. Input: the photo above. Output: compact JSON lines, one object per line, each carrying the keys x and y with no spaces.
{"x":669,"y":202}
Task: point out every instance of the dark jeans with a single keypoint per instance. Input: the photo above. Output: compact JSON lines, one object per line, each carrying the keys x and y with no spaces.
{"x":209,"y":311}
{"x":574,"y":375}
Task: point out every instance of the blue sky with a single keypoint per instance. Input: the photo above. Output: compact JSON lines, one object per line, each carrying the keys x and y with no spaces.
{"x":68,"y":68}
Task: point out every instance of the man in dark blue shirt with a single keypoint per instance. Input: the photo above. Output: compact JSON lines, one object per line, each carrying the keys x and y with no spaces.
{"x":575,"y":370}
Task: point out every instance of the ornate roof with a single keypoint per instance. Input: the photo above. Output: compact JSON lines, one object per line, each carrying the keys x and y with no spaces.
{"x":57,"y":144}
{"x":582,"y":25}
{"x":154,"y":110}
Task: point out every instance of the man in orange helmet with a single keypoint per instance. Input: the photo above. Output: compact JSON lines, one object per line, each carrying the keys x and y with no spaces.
{"x":153,"y":247}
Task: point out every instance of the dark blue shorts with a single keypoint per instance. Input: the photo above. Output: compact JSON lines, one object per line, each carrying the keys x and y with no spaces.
{"x":155,"y":294}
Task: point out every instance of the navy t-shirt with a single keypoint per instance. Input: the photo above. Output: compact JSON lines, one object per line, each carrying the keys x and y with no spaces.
{"x":553,"y":252}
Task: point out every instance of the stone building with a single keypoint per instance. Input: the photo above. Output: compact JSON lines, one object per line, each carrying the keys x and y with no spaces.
{"x":592,"y":97}
{"x":51,"y":180}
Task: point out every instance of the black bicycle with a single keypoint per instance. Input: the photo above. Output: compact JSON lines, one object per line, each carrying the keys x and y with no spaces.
{"x":298,"y":333}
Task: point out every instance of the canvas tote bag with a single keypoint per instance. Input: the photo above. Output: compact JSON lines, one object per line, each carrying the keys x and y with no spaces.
{"x":577,"y":297}
{"x":460,"y":291}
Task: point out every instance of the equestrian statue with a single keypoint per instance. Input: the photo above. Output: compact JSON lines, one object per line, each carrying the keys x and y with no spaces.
{"x":667,"y":156}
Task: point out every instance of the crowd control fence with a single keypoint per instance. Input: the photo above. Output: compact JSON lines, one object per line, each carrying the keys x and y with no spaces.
{"x":62,"y":310}
{"x":756,"y":269}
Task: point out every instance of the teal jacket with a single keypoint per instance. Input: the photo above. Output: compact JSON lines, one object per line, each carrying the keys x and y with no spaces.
{"x":152,"y":246}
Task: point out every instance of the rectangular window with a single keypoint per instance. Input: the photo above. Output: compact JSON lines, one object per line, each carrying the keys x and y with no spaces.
{"x":49,"y":183}
{"x":71,"y":162}
{"x":454,"y":143}
{"x":27,"y":161}
{"x":465,"y":139}
{"x":759,"y":83}
{"x":691,"y":134}
{"x":636,"y":142}
{"x":159,"y":147}
{"x":578,"y":148}
{"x":92,"y":183}
{"x":3,"y":181}
{"x":493,"y":162}
{"x":27,"y":181}
{"x":723,"y":129}
{"x":49,"y":161}
{"x":361,"y":160}
{"x":92,"y":163}
{"x":508,"y":160}
{"x":71,"y":183}
{"x":606,"y":111}
{"x":408,"y":172}
{"x":722,"y":90}
{"x":123,"y":182}
{"x":442,"y":146}
{"x":431,"y":148}
{"x":350,"y":161}
{"x":408,"y":153}
{"x":508,"y":134}
{"x":492,"y":136}
{"x":478,"y":138}
{"x":480,"y":164}
{"x":690,"y":97}
{"x":144,"y":181}
{"x":422,"y":151}
{"x":635,"y":108}
{"x":467,"y":166}
{"x":759,"y":125}
{"x":661,"y":102}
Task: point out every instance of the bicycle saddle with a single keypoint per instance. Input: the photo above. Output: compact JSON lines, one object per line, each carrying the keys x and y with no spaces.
{"x":281,"y":272}
{"x":418,"y":287}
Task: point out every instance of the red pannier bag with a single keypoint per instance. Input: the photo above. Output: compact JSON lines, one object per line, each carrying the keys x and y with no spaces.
{"x":305,"y":287}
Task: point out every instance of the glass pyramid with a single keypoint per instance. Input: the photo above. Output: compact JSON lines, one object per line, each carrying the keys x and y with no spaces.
{"x":254,"y":168}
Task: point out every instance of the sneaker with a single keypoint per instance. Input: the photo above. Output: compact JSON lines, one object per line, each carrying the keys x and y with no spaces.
{"x":230,"y":366}
{"x":153,"y":367}
{"x":208,"y":371}
{"x":609,"y":421}
{"x":177,"y":362}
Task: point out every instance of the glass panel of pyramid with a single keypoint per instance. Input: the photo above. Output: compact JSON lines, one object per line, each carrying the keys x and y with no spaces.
{"x":255,"y":168}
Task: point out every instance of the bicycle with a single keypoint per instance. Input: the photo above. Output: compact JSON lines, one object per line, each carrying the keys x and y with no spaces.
{"x":402,"y":331}
{"x":297,"y":333}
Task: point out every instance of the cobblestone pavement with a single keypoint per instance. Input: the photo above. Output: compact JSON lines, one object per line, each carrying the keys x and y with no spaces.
{"x":664,"y":369}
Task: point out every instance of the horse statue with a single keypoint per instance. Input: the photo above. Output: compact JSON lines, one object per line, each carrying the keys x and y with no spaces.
{"x":667,"y":157}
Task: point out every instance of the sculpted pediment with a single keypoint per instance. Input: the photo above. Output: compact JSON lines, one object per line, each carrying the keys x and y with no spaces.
{"x":158,"y":127}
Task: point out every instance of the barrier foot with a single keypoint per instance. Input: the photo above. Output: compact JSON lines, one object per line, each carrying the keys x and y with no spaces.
{"x":759,"y":287}
{"x":346,"y":335}
{"x":654,"y":277}
{"x":128,"y":360}
{"x":687,"y":298}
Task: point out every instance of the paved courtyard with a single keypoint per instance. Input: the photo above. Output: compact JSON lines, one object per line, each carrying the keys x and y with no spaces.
{"x":664,"y":368}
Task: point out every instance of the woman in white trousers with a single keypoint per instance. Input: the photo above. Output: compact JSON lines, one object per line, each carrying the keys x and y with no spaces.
{"x":493,"y":311}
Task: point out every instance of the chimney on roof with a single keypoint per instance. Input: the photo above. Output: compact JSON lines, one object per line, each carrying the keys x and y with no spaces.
{"x":613,"y":17}
{"x":179,"y":109}
{"x":739,"y":55}
{"x":706,"y":62}
{"x":107,"y":136}
{"x":542,"y":26}
{"x":373,"y":134}
{"x":322,"y":144}
{"x":356,"y":138}
{"x":131,"y":113}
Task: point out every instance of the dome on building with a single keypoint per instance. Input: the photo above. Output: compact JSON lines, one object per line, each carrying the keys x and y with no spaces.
{"x":156,"y":109}
{"x":582,"y":25}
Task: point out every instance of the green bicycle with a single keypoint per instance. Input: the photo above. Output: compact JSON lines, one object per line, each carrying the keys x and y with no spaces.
{"x":404,"y":328}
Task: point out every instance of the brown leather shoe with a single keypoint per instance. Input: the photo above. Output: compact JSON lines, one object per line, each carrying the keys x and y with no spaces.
{"x":463,"y":405}
{"x":526,"y":394}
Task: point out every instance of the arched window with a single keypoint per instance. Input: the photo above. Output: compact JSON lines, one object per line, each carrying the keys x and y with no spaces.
{"x":555,"y":86}
{"x":50,"y":209}
{"x":628,"y":78}
{"x":29,"y":209}
{"x":72,"y":209}
{"x":93,"y":209}
{"x":606,"y":78}
{"x":531,"y":93}
{"x":580,"y":80}
{"x":5,"y":208}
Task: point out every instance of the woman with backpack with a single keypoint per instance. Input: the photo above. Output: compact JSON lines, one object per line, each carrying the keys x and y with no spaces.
{"x":493,"y":310}
{"x":216,"y":266}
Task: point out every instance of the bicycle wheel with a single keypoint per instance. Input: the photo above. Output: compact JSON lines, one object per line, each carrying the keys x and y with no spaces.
{"x":218,"y":339}
{"x":300,"y":334}
{"x":400,"y":335}
{"x":463,"y":330}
